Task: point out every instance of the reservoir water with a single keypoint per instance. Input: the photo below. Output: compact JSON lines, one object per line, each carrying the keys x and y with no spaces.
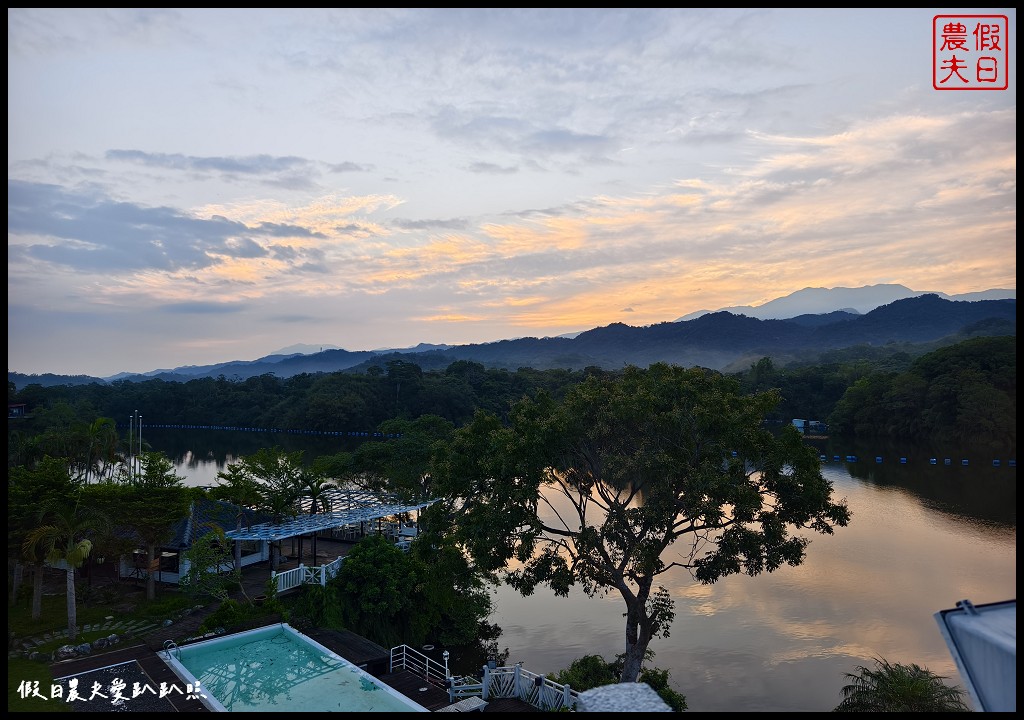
{"x":922,"y":537}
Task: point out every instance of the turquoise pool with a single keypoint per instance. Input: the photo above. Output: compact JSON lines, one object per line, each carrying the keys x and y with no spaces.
{"x":276,"y":669}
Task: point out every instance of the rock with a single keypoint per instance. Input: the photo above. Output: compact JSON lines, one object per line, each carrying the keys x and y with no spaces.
{"x":113,"y":639}
{"x":100,"y":643}
{"x":84,"y":649}
{"x":65,"y":652}
{"x":168,"y":622}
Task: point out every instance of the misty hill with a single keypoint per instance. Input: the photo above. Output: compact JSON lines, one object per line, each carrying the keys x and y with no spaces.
{"x":819,"y":301}
{"x":721,"y":341}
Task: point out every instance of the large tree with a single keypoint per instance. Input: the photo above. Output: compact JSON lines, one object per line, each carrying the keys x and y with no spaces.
{"x":603,"y":488}
{"x":151,"y":505}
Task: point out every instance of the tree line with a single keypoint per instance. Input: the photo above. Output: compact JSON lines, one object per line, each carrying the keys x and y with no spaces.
{"x":963,"y":393}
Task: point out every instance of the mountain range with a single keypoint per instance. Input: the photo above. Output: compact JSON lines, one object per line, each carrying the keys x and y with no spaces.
{"x":800,"y":326}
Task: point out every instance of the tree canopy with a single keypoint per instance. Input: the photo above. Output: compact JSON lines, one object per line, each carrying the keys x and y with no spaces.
{"x":630,"y":475}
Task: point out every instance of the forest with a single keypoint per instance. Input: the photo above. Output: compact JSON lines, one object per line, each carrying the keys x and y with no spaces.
{"x":960,"y":393}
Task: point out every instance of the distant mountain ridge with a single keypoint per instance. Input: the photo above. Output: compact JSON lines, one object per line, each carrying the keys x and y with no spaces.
{"x":817,"y":301}
{"x":721,"y":340}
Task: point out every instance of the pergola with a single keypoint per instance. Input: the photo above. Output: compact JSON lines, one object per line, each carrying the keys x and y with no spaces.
{"x":337,"y":508}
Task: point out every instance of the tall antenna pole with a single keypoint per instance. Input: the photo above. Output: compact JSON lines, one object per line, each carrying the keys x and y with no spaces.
{"x":138,"y":447}
{"x":131,"y":446}
{"x":134,"y":446}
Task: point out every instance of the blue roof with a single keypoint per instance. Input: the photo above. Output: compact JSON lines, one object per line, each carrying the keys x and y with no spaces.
{"x":983,"y":641}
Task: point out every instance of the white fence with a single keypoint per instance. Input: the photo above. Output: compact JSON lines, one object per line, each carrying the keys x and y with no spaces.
{"x":316,"y":574}
{"x":517,"y":682}
{"x":307,"y":575}
{"x":497,"y":682}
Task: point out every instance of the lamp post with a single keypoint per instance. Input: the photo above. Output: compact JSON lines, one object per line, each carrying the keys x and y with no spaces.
{"x":447,"y":674}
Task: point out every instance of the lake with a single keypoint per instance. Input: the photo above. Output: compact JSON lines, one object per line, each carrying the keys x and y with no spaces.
{"x":922,"y":537}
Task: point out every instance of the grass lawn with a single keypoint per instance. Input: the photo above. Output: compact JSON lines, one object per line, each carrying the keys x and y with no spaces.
{"x":97,"y":604}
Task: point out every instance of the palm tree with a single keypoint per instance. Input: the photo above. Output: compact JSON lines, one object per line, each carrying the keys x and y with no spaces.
{"x":62,"y":536}
{"x":102,"y":448}
{"x":315,"y":485}
{"x":899,"y":688}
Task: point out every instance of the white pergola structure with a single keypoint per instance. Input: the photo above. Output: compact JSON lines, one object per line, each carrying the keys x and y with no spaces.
{"x":337,"y":508}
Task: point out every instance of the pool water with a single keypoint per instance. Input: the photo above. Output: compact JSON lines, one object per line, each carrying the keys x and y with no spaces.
{"x":276,"y":669}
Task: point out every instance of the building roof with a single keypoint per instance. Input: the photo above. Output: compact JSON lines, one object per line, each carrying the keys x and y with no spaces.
{"x":983,"y":642}
{"x":205,"y":513}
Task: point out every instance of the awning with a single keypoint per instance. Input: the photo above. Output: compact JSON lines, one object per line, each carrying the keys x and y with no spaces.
{"x":983,"y":641}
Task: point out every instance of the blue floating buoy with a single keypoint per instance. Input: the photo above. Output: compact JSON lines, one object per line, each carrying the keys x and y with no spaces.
{"x":933,"y":461}
{"x":995,"y":463}
{"x":964,"y":461}
{"x":851,"y":458}
{"x":835,"y":458}
{"x":823,"y":458}
{"x":1012,"y":463}
{"x":903,"y":461}
{"x":878,"y":458}
{"x":947,"y":461}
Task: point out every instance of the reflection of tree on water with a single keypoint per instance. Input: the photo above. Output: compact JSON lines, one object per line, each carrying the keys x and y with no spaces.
{"x":978,"y":490}
{"x":192,"y":448}
{"x":267,"y":671}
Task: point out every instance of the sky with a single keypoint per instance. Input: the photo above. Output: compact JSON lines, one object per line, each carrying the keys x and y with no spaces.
{"x":194,"y":186}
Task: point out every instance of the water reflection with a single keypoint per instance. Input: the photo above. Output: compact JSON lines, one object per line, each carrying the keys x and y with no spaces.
{"x":921,"y":538}
{"x":200,"y":454}
{"x":979,"y":489}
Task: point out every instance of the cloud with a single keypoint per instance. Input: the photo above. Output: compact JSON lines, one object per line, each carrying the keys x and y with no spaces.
{"x":253,"y":165}
{"x":492,"y":168}
{"x":85,"y":230}
{"x":201,"y":308}
{"x":346,"y":167}
{"x":519,"y":135}
{"x":452,"y":224}
{"x":531,"y":171}
{"x":286,"y":172}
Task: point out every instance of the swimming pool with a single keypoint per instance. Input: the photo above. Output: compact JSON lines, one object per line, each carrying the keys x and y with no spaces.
{"x":277,"y":668}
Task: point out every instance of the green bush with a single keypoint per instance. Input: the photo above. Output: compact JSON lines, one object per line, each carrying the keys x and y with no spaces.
{"x":592,"y":671}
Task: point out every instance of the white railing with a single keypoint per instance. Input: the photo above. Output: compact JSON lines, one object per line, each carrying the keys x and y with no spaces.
{"x":538,"y":690}
{"x":331,"y":568}
{"x":289,"y":579}
{"x":498,"y":682}
{"x":463,"y":687}
{"x":306,"y":575}
{"x":317,"y":574}
{"x":404,"y":657}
